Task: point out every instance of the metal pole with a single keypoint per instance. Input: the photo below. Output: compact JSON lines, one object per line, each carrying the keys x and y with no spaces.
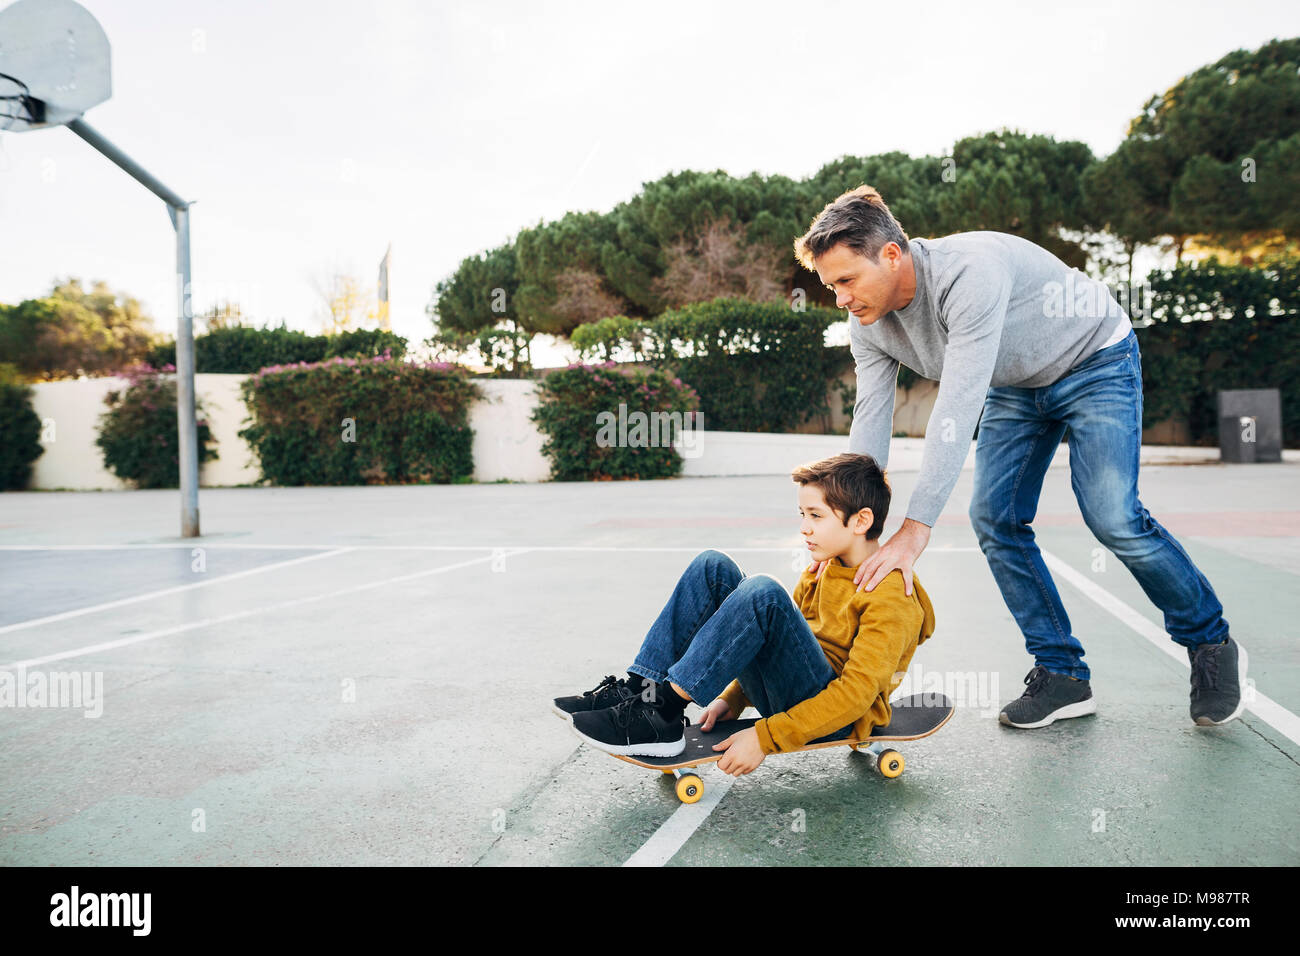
{"x":187,"y":429}
{"x":188,"y":446}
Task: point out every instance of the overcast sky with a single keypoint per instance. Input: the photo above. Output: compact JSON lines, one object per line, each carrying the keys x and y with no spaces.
{"x":312,"y":134}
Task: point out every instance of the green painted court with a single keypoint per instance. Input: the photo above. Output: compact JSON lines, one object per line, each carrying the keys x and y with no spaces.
{"x":364,"y":676}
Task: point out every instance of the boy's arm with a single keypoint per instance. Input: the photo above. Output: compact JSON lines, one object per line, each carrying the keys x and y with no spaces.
{"x":885,"y":633}
{"x":734,"y":695}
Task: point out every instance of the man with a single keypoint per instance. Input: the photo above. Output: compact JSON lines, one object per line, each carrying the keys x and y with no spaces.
{"x":1043,"y":351}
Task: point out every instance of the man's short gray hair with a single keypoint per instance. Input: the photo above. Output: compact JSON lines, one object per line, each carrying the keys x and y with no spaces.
{"x":860,"y":219}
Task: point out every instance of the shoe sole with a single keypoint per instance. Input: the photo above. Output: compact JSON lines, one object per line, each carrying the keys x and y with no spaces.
{"x":1241,"y":697}
{"x":669,"y":749}
{"x":1079,"y":708}
{"x":562,"y":714}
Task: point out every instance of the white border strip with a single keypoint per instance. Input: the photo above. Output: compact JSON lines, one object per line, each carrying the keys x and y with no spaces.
{"x":208,"y":622}
{"x":1262,"y":706}
{"x":402,"y":547}
{"x":677,"y":829}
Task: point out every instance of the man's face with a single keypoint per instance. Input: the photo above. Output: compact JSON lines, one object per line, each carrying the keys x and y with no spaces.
{"x":823,"y":530}
{"x":865,"y":288}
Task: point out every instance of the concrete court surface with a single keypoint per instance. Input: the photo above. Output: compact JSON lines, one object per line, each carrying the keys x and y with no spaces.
{"x":363,"y":676}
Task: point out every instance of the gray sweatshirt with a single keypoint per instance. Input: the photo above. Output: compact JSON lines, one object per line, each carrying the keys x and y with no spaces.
{"x":991,"y":309}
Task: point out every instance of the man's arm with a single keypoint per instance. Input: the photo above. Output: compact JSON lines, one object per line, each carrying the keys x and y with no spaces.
{"x":873,"y":411}
{"x":891,"y":625}
{"x":975,"y":307}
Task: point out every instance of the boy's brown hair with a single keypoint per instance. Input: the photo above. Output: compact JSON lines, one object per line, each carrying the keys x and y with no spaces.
{"x":850,"y":483}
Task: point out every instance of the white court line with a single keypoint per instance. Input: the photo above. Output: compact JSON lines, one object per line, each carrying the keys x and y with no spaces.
{"x":208,"y":622}
{"x":686,"y":819}
{"x":342,"y":549}
{"x":1262,"y":706}
{"x":670,"y":837}
{"x":8,"y":628}
{"x":661,"y":846}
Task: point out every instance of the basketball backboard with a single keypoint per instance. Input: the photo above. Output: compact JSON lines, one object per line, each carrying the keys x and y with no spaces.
{"x":54,"y":64}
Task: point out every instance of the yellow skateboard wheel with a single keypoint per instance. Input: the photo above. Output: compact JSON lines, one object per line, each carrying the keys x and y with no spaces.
{"x":890,"y":763}
{"x":689,"y":788}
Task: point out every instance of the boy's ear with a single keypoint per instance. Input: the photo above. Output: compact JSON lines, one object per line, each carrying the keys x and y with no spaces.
{"x":863,"y":521}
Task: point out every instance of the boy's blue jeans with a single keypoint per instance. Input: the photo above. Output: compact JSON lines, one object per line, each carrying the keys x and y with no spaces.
{"x":720,"y":624}
{"x":1100,"y":402}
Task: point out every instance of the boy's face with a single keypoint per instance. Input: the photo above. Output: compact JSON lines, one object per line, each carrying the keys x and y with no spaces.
{"x":823,"y":529}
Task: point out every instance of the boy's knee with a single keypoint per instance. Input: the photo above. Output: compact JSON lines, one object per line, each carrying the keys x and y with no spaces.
{"x":712,"y":560}
{"x":757,"y":585}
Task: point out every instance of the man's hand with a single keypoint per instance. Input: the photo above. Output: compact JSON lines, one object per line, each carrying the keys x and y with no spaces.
{"x":743,"y":753}
{"x":718,"y":710}
{"x":899,"y":552}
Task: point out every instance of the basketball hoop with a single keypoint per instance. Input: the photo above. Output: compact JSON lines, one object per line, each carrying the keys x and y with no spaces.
{"x":17,"y":105}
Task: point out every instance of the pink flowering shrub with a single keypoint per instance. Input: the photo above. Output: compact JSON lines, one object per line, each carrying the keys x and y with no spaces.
{"x":138,"y":435}
{"x":589,"y":415}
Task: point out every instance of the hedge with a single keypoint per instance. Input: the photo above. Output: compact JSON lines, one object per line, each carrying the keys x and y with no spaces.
{"x":242,"y":350}
{"x":20,"y":430}
{"x":602,"y":422}
{"x":138,"y":434}
{"x":757,"y":366}
{"x":347,"y":421}
{"x":1221,"y":327}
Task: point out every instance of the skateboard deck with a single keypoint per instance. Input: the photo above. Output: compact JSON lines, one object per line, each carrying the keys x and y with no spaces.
{"x":911,"y":718}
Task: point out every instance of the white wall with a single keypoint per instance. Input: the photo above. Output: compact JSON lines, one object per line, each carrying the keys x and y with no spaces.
{"x":506,"y":443}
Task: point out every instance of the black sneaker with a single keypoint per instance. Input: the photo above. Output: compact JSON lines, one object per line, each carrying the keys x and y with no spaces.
{"x":1049,"y":697}
{"x":632,"y":728}
{"x":1218,"y":674}
{"x":607,"y":693}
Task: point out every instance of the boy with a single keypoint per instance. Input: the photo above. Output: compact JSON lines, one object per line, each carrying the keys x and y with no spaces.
{"x":819,"y":667}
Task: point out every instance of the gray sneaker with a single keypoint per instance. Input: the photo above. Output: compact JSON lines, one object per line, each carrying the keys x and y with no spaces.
{"x":1048,"y":697}
{"x":1218,"y":674}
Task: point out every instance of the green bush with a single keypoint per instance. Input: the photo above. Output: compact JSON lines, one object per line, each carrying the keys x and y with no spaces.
{"x":20,"y":430}
{"x":757,"y":366}
{"x":364,"y":343}
{"x":602,"y":338}
{"x":348,"y":421}
{"x":242,"y":350}
{"x":578,"y":412}
{"x":138,"y":433}
{"x":1221,"y":327}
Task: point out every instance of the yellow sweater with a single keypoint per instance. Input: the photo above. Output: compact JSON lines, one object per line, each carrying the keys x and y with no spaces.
{"x":868,"y":637}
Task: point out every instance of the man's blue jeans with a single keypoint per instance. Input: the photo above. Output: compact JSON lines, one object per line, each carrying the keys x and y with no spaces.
{"x":1099,"y":401}
{"x":720,"y":624}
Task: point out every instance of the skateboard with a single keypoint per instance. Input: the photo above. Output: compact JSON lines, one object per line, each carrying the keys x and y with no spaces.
{"x":911,"y":719}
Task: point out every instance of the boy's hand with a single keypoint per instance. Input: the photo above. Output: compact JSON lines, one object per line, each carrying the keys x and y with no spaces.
{"x":718,"y":710}
{"x":899,"y":552}
{"x":743,"y":753}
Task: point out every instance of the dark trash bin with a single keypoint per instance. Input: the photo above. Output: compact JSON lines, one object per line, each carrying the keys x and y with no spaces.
{"x":1250,"y":425}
